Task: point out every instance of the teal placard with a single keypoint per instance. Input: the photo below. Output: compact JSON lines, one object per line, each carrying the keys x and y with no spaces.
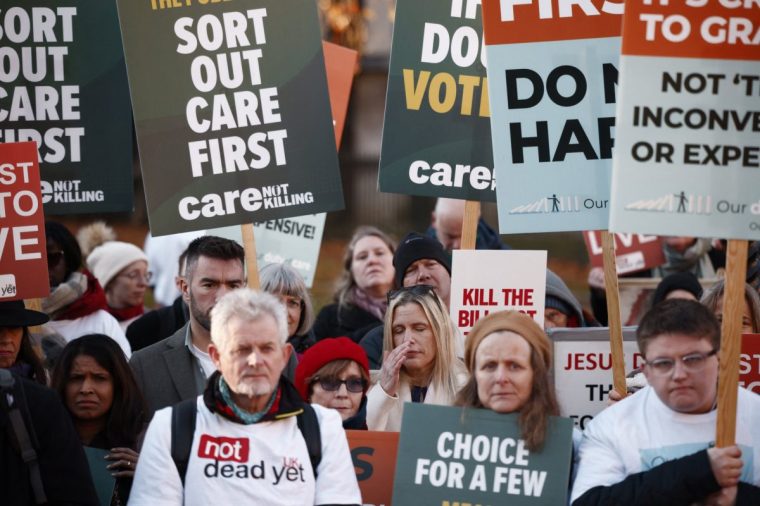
{"x":63,"y":85}
{"x":436,"y":133}
{"x":231,"y":111}
{"x":553,"y":128}
{"x":453,"y":455}
{"x":101,"y":477}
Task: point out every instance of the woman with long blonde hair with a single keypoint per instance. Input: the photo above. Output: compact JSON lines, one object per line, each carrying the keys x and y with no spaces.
{"x":421,"y":364}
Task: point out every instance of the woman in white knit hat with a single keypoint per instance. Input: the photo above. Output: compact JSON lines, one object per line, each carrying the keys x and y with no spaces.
{"x":122,"y":270}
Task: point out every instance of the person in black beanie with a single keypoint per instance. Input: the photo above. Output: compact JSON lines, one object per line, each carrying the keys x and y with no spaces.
{"x":418,"y":260}
{"x":679,"y":285}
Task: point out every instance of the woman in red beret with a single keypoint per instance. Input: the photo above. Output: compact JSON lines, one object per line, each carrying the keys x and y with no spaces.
{"x":334,"y":373}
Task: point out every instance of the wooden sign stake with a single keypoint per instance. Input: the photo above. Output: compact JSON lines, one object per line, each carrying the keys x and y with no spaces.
{"x":613,"y":313}
{"x":251,"y":264}
{"x":728,"y":375}
{"x":470,"y":224}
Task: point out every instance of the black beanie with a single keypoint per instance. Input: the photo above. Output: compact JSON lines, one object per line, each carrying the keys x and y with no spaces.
{"x":415,"y":247}
{"x":677,"y":281}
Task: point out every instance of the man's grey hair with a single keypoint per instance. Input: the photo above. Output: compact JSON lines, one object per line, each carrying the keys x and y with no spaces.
{"x":247,"y":305}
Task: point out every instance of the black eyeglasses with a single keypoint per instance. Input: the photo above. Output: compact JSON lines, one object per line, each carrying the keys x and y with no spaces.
{"x":414,"y":290}
{"x":354,"y":384}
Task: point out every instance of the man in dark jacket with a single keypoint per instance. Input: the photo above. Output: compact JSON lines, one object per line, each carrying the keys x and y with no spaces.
{"x":656,"y":447}
{"x":63,"y":466}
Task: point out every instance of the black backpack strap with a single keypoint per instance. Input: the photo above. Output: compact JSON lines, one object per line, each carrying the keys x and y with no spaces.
{"x":308,"y":424}
{"x":12,"y":402}
{"x":183,"y":430}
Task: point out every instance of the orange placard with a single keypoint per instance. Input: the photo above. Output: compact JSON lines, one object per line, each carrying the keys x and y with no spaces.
{"x":23,"y":260}
{"x":374,"y":457}
{"x":726,"y":29}
{"x":340,"y":63}
{"x":518,"y":21}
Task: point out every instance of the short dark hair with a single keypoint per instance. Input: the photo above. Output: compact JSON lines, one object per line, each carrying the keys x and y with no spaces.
{"x":211,"y":246}
{"x":679,"y":316}
{"x":72,"y":254}
{"x":128,"y":415}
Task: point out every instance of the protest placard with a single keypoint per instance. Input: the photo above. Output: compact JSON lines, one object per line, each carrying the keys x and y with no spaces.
{"x":23,"y":260}
{"x":633,"y":252}
{"x":487,"y":281}
{"x":749,"y":363}
{"x":452,"y":456}
{"x":583,"y":369}
{"x":63,"y":85}
{"x":552,"y":73}
{"x":687,"y":121}
{"x":296,"y":241}
{"x":292,"y":241}
{"x":244,"y":132}
{"x":374,"y":457}
{"x":436,"y":132}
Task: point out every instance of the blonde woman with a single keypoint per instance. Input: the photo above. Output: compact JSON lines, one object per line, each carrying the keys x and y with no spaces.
{"x":420,"y":363}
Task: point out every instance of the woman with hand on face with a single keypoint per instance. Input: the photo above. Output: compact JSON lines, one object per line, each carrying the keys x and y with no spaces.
{"x":334,"y":373}
{"x":285,"y":283}
{"x":509,"y":358}
{"x":420,"y":363}
{"x":360,"y":301}
{"x":94,"y":381}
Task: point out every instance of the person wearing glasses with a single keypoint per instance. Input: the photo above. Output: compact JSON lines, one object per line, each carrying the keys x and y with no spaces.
{"x":334,"y":374}
{"x":420,"y":360}
{"x":121,"y":268}
{"x":419,"y":260}
{"x":285,"y":283}
{"x":656,"y":447}
{"x":77,"y":304}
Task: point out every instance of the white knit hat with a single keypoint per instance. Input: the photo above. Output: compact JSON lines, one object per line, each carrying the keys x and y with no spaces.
{"x":108,"y":259}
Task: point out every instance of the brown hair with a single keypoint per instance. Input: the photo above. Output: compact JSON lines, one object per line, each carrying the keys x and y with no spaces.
{"x":347,"y":281}
{"x":333,"y":369}
{"x":711,"y":298}
{"x":678,"y":316}
{"x":542,"y":403}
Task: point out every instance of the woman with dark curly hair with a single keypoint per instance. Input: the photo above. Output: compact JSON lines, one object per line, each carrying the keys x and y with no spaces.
{"x":96,"y":385}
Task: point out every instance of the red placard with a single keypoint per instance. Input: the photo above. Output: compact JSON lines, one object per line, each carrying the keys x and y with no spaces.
{"x":340,"y":63}
{"x":633,"y":252}
{"x":517,"y":21}
{"x":374,"y":457}
{"x":749,"y":363}
{"x":23,"y":260}
{"x":726,"y":29}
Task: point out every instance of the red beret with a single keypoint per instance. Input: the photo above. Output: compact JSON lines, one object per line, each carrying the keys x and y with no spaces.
{"x":324,"y":352}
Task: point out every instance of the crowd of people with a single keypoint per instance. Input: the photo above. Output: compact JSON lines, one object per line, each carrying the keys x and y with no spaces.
{"x":226,"y":385}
